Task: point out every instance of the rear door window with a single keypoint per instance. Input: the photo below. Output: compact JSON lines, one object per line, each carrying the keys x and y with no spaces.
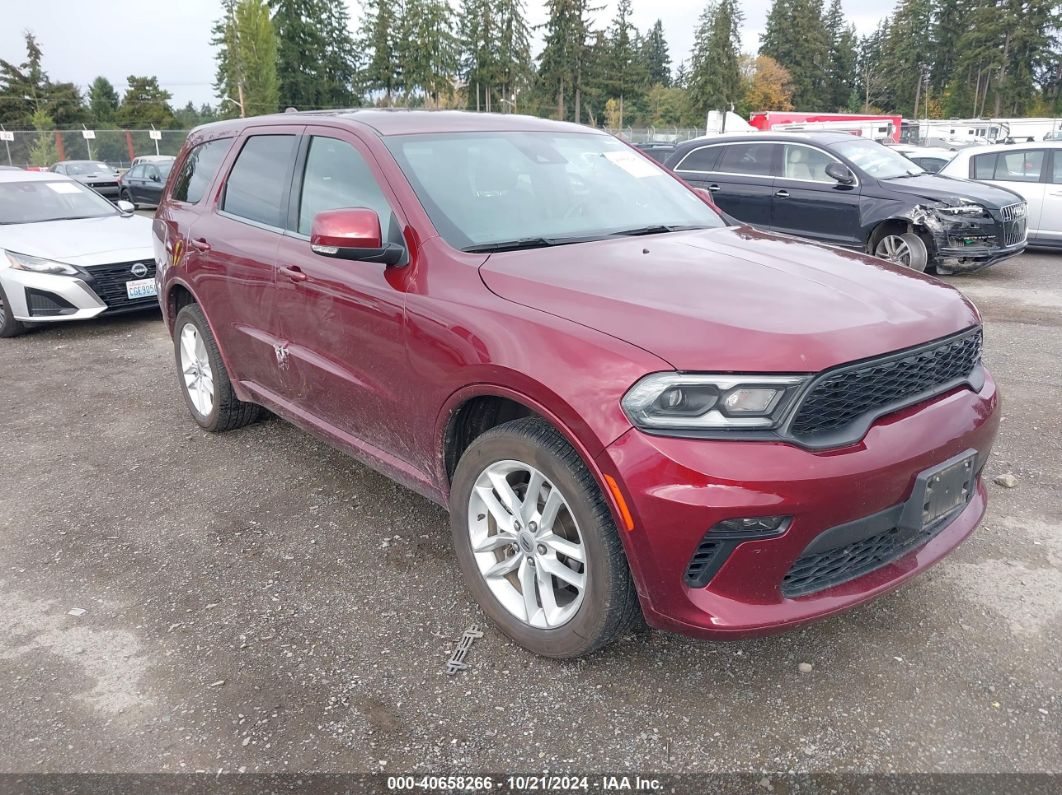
{"x":749,"y":159}
{"x":257,"y":187}
{"x":198,"y":170}
{"x":703,"y":159}
{"x":1022,"y":165}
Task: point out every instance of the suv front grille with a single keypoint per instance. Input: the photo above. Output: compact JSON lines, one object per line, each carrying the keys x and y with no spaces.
{"x":1014,"y":223}
{"x":840,"y":398}
{"x":108,"y":282}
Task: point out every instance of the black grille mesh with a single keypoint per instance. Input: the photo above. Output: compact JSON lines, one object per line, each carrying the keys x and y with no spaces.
{"x":819,"y":571}
{"x":840,"y":398}
{"x":108,"y":282}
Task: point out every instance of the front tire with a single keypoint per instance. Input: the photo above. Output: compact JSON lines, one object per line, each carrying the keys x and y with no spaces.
{"x":204,"y":380}
{"x":906,"y":249}
{"x":9,"y":327}
{"x":537,"y":544}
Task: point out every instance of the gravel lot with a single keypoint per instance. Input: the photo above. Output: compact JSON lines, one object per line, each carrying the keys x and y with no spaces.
{"x":257,"y":601}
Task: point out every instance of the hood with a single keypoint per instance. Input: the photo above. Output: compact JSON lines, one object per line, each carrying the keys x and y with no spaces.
{"x":85,"y":241}
{"x":733,"y":300}
{"x":951,"y":190}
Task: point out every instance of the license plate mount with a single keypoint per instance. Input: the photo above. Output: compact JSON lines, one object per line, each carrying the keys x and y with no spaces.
{"x":941,"y":491}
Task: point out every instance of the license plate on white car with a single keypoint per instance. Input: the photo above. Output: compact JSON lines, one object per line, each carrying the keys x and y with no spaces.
{"x":141,"y":288}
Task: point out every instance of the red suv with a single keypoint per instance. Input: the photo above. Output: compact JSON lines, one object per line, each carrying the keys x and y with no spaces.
{"x":626,"y":402}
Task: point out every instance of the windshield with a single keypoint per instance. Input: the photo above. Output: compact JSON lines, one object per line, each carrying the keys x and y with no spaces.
{"x":33,"y":202}
{"x":487,"y":189}
{"x":84,"y":167}
{"x":876,"y":160}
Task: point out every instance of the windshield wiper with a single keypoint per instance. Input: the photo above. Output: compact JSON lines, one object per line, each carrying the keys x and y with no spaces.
{"x":657,"y":229}
{"x":526,"y":243}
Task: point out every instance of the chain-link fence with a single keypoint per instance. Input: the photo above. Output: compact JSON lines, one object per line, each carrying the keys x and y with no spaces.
{"x":657,"y":135}
{"x":116,"y":147}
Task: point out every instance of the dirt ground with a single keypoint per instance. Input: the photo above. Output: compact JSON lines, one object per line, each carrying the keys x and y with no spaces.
{"x":256,"y":601}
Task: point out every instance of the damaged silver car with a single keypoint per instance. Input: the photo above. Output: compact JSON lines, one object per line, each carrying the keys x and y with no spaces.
{"x":847,"y":191}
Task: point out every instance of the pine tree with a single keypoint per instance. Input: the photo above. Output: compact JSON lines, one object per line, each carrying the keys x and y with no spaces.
{"x":795,"y":36}
{"x":715,"y":81}
{"x":377,"y":40}
{"x":145,"y":105}
{"x":657,"y":57}
{"x":625,"y":75}
{"x":246,"y":78}
{"x":563,"y":61}
{"x":23,"y":87}
{"x":427,"y":51}
{"x":870,"y":76}
{"x":338,"y":65}
{"x":300,"y":27}
{"x":514,"y":50}
{"x":103,"y":102}
{"x":841,"y":59}
{"x":907,"y":54}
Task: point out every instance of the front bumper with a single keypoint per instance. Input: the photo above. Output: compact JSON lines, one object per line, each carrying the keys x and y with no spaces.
{"x":50,"y":298}
{"x":679,"y":488}
{"x":952,"y":259}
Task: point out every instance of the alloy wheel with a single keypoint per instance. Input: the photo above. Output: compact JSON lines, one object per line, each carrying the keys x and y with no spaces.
{"x":907,"y":250}
{"x":527,"y":544}
{"x":195,"y":366}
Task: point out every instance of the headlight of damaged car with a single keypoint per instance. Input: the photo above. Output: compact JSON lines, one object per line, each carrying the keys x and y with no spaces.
{"x":693,"y":402}
{"x":962,"y":209}
{"x":24,"y":262}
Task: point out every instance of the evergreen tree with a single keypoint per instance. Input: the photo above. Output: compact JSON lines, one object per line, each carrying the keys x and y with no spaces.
{"x":563,"y":61}
{"x":480,"y":61}
{"x":870,"y":77}
{"x":908,"y":54}
{"x":656,"y":55}
{"x":841,"y":59}
{"x":625,"y":74}
{"x":795,"y":36}
{"x":145,"y":105}
{"x":23,"y":87}
{"x":514,"y":50}
{"x":427,"y":51}
{"x":300,"y":27}
{"x":246,"y":77}
{"x":715,"y":81}
{"x":103,"y":102}
{"x":379,"y":25}
{"x":338,"y":64}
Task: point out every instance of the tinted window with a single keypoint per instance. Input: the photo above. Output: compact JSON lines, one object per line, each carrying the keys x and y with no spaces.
{"x":1056,"y":175}
{"x":803,"y":162}
{"x":258,"y":183}
{"x":703,"y":159}
{"x":150,"y":172}
{"x":750,"y":158}
{"x":337,"y":176}
{"x":198,"y":170}
{"x":136,"y":172}
{"x":1023,"y":165}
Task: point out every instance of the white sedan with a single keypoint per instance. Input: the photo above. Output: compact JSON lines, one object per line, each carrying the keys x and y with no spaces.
{"x":1034,"y":170}
{"x":66,"y":253}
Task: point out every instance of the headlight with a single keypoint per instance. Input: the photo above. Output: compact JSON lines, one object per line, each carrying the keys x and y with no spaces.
{"x":24,"y":262}
{"x":963,"y":209}
{"x":678,"y":401}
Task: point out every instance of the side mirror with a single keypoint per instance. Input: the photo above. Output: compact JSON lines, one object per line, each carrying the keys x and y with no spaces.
{"x":125,"y":208}
{"x":155,"y":178}
{"x":840,"y":173}
{"x":352,"y":233}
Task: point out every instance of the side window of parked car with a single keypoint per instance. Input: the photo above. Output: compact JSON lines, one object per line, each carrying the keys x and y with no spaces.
{"x":152,"y":173}
{"x":257,"y":185}
{"x":198,"y":170}
{"x":1056,"y":171}
{"x":751,"y":159}
{"x":806,"y":163}
{"x":336,"y":175}
{"x":703,"y":159}
{"x":136,"y":172}
{"x":1023,"y":165}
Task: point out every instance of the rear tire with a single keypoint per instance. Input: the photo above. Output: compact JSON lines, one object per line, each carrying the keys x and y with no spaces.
{"x":203,"y":378}
{"x":559,"y":619}
{"x":125,"y":196}
{"x":9,"y":327}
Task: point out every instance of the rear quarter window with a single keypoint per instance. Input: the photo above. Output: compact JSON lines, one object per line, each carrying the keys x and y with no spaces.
{"x":198,"y":170}
{"x":703,"y":159}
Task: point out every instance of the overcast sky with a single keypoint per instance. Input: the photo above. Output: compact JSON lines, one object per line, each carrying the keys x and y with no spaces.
{"x":116,"y":38}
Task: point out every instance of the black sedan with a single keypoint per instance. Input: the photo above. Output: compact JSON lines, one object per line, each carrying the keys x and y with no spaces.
{"x":848,"y":191}
{"x":143,"y":183}
{"x":92,"y":174}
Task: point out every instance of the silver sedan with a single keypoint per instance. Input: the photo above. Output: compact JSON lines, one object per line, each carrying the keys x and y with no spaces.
{"x":66,"y":253}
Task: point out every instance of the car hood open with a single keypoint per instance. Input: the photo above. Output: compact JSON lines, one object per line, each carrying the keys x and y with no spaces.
{"x":733,"y":300}
{"x":84,"y":242}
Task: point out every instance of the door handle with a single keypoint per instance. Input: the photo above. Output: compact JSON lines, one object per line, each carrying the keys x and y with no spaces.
{"x":294,"y":273}
{"x":782,"y":194}
{"x":199,"y":244}
{"x":713,"y":187}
